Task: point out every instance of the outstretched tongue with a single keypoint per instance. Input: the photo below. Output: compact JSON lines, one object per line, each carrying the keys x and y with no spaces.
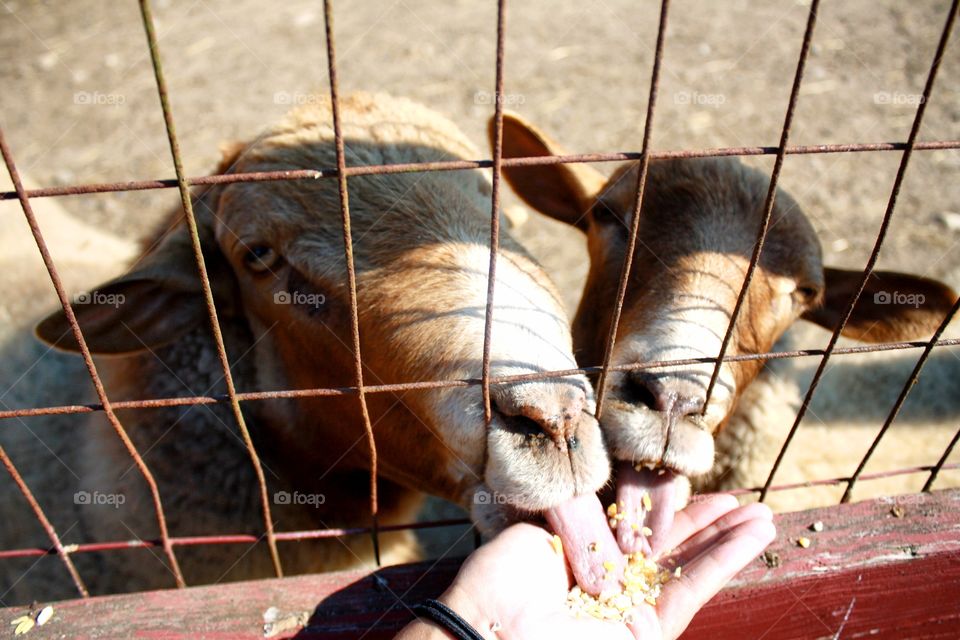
{"x":647,"y":501}
{"x":588,"y":543}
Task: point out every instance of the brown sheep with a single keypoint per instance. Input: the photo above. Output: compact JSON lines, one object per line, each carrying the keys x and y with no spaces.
{"x":275,"y":255}
{"x":697,"y":230}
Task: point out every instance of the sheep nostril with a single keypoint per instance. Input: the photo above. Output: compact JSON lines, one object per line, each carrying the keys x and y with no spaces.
{"x":533,"y":423}
{"x":687,"y":407}
{"x":641,"y":389}
{"x":522,"y":425}
{"x":662,"y":394}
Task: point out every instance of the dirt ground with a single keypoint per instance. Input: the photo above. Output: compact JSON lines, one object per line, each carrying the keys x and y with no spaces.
{"x":79,"y":103}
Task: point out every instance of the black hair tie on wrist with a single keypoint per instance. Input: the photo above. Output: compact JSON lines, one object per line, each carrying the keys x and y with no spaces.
{"x":447,"y":618}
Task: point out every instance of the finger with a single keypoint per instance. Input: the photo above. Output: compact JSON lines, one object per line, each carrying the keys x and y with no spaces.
{"x":706,"y":537}
{"x":697,"y":515}
{"x":700,"y":580}
{"x":645,"y":624}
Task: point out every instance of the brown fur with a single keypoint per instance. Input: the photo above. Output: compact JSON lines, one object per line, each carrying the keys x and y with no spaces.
{"x":421,"y":251}
{"x":698,"y":225}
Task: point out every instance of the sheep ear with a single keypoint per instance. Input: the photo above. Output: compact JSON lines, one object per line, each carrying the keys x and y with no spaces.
{"x":893,"y":306}
{"x":155,"y":304}
{"x":565,"y":192}
{"x":230,"y":154}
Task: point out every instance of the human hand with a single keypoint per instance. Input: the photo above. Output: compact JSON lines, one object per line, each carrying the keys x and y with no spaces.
{"x":517,"y":584}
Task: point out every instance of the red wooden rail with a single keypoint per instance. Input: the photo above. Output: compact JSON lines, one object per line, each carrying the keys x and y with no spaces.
{"x":887,"y":568}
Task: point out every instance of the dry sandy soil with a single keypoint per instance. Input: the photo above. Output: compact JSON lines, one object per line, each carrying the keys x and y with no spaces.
{"x":79,"y":102}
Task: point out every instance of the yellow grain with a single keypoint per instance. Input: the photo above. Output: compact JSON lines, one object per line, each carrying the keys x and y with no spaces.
{"x":642,"y":583}
{"x":557,"y":545}
{"x":647,"y":503}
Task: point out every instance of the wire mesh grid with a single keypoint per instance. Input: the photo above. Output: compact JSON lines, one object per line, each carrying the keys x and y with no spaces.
{"x":342,"y":173}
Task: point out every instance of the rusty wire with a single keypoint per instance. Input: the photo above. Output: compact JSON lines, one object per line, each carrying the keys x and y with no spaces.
{"x":316,"y":534}
{"x":187,"y":203}
{"x":494,"y":217}
{"x":941,"y":463}
{"x":644,"y":164}
{"x":252,"y":396}
{"x":341,"y":172}
{"x":907,"y":387}
{"x":88,"y":361}
{"x":351,"y":271}
{"x":45,"y":523}
{"x":875,"y":253}
{"x":771,"y":198}
{"x":464,"y":165}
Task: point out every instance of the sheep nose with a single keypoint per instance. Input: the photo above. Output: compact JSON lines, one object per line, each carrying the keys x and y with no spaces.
{"x":674,"y":397}
{"x":553,"y":410}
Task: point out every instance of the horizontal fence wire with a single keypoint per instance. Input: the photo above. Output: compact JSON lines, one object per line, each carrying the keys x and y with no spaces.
{"x":254,"y":396}
{"x":317,"y":534}
{"x":342,"y":172}
{"x":464,"y":165}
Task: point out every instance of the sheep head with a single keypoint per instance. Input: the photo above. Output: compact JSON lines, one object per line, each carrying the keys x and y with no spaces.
{"x":698,"y":225}
{"x":275,"y":252}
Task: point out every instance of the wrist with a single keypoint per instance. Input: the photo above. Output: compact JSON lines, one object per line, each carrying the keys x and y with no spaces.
{"x":470,"y":606}
{"x":464,"y":605}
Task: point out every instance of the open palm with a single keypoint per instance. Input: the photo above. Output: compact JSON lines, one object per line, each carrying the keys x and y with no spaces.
{"x":517,"y":584}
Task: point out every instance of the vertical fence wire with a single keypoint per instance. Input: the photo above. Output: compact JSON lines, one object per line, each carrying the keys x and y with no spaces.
{"x":907,"y":387}
{"x":935,"y":471}
{"x":45,"y":523}
{"x":643,"y":166}
{"x":494,"y":213}
{"x":875,"y":253}
{"x":187,"y":203}
{"x":88,"y":361}
{"x":351,"y":271}
{"x":771,"y":198}
{"x":494,"y":232}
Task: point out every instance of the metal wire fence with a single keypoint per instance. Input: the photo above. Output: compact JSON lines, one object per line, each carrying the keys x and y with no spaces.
{"x":341,"y":172}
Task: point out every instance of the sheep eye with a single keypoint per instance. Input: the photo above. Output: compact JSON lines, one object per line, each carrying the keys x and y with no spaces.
{"x":808,"y":294}
{"x":605,"y":215}
{"x":260,"y":258}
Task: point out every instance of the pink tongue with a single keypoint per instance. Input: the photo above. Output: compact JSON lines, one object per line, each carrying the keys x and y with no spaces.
{"x":588,"y":543}
{"x":632,"y":485}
